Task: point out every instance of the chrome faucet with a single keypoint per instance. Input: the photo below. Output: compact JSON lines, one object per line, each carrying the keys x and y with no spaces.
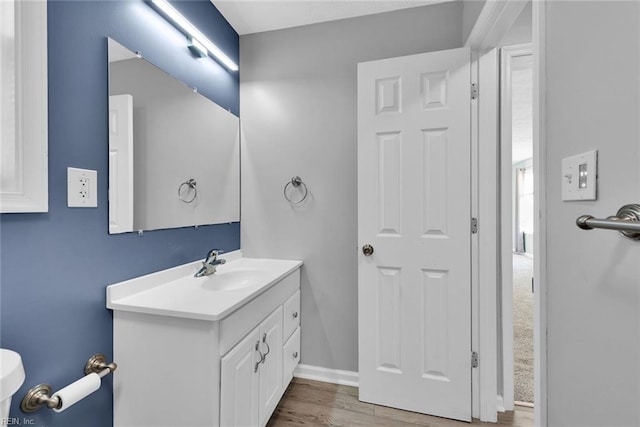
{"x":210,"y":263}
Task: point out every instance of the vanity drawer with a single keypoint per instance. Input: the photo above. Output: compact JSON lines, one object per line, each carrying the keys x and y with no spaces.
{"x":291,"y":356}
{"x":291,"y":315}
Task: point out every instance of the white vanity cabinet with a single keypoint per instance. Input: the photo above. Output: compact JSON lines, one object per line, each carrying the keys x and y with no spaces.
{"x":205,"y":371}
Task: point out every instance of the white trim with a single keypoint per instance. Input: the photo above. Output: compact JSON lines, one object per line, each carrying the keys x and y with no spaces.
{"x":30,"y":193}
{"x":500,"y":404}
{"x":540,"y":227}
{"x":495,"y":19}
{"x":487,"y":184}
{"x":506,"y":235}
{"x":334,"y":376}
{"x":524,"y":404}
{"x":475,"y":247}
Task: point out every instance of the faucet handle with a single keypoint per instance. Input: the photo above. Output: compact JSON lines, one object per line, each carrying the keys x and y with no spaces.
{"x":214,"y":253}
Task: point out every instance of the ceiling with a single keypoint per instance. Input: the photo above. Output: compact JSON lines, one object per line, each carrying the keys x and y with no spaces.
{"x":255,"y":16}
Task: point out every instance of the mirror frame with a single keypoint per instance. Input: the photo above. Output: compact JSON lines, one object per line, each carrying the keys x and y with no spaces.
{"x":31,"y":141}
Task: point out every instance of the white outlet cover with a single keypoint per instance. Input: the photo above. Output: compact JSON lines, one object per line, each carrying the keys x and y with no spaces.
{"x":82,"y":188}
{"x":580,"y":183}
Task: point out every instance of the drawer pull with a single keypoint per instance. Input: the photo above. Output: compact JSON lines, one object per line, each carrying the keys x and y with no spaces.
{"x":295,"y":354}
{"x":295,"y":315}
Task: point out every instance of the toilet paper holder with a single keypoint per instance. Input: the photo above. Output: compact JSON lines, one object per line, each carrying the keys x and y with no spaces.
{"x":42,"y":394}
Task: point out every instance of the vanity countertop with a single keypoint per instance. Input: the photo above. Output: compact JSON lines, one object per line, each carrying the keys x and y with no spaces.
{"x":176,"y":292}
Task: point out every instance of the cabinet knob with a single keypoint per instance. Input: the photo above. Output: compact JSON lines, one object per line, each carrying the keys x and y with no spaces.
{"x":295,"y":355}
{"x":367,"y":250}
{"x":295,"y":314}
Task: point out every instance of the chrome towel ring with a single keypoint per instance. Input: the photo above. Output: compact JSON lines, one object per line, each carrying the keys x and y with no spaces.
{"x":191,"y":185}
{"x":295,"y":182}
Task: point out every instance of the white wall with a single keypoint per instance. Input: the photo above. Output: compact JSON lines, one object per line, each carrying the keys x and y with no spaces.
{"x":298,"y":109}
{"x":593,"y":288}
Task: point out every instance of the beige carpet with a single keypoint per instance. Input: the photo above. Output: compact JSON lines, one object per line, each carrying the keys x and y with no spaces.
{"x":523,"y":328}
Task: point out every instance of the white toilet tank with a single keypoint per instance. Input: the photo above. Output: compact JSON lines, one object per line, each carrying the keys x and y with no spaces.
{"x":11,"y":378}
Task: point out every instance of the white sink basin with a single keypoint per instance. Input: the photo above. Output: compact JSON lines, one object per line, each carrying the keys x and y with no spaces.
{"x":176,"y":292}
{"x":231,"y":280}
{"x":11,"y":378}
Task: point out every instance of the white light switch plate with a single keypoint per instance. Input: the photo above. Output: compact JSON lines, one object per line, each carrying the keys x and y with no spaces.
{"x":82,"y":188}
{"x":579,"y":176}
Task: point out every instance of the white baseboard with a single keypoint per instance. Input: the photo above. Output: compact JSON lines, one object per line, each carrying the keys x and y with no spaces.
{"x":501,"y":408}
{"x":525,"y":404}
{"x":334,"y":376}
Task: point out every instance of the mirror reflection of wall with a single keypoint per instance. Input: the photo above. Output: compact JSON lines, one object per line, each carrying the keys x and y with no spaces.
{"x":174,"y":156}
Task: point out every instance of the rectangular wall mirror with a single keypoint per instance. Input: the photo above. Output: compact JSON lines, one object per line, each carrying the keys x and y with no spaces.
{"x":174,"y":155}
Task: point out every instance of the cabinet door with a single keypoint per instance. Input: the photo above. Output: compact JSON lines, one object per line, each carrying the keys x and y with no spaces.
{"x":239,"y":404}
{"x":271,"y":369}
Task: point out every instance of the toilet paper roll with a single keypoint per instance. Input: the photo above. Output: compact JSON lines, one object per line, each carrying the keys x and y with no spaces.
{"x":77,"y":391}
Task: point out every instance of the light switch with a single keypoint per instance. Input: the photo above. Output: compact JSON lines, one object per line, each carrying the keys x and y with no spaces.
{"x":582,"y":176}
{"x":82,"y":188}
{"x":579,"y":176}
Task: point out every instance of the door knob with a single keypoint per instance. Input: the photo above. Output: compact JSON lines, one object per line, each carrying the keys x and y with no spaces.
{"x":367,"y":250}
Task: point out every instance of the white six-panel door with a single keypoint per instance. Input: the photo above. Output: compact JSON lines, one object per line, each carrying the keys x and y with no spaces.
{"x":414,"y":209}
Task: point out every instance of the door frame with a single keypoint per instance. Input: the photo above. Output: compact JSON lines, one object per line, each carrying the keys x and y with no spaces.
{"x":494,"y":21}
{"x":28,"y":190}
{"x":505,"y":363}
{"x":540,"y":209}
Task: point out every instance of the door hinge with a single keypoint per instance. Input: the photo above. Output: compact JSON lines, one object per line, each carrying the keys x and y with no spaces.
{"x":474,"y":359}
{"x":474,"y":91}
{"x":474,"y":225}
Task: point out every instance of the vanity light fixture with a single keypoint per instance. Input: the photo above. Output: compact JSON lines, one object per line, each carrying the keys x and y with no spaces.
{"x":198,"y":40}
{"x":197,"y":48}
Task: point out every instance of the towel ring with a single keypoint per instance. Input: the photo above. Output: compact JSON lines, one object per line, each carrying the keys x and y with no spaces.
{"x":296,"y":182}
{"x":191,"y":183}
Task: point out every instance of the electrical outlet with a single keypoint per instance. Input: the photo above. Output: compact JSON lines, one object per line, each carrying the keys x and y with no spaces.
{"x":82,"y":187}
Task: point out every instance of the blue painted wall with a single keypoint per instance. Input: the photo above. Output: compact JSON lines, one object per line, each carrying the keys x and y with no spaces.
{"x":55,"y":266}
